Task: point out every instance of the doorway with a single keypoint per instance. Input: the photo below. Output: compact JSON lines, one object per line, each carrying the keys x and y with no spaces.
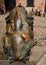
{"x":9,"y":4}
{"x":30,"y":3}
{"x":45,"y":6}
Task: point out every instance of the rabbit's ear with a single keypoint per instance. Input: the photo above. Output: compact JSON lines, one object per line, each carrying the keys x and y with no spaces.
{"x":16,"y":13}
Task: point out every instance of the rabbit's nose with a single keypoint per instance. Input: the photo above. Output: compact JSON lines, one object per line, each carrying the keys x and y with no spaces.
{"x":25,"y":37}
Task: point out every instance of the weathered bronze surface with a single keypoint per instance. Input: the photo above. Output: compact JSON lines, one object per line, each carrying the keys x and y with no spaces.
{"x":19,"y":37}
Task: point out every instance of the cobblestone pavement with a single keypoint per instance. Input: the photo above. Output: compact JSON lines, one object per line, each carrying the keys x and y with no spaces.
{"x":38,"y":52}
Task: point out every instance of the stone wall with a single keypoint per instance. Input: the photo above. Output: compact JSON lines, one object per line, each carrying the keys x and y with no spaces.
{"x":38,"y":4}
{"x":23,"y":2}
{"x":2,"y":6}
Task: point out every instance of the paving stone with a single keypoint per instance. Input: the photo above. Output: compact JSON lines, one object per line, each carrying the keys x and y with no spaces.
{"x":42,"y":61}
{"x":40,"y":30}
{"x":37,"y":53}
{"x":5,"y":62}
